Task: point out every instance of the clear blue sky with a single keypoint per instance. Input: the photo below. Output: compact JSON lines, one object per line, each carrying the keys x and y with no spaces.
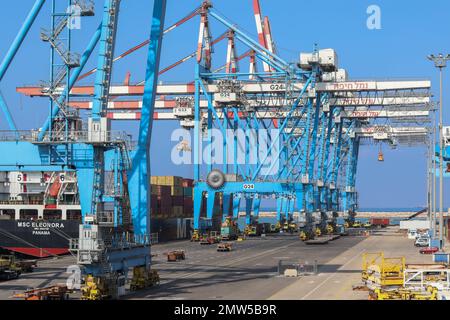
{"x":410,"y":31}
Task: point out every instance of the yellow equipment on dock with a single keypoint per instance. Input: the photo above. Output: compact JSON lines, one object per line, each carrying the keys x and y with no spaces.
{"x":318,"y":232}
{"x":195,"y":236}
{"x":143,"y":278}
{"x":94,"y":289}
{"x":306,"y":235}
{"x":379,"y":272}
{"x":385,"y":279}
{"x":330,"y":229}
{"x":303,"y":236}
{"x":356,"y":224}
{"x":277,"y":227}
{"x":431,"y":293}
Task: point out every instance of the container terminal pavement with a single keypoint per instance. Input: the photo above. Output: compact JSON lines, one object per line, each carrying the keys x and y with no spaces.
{"x":291,"y":135}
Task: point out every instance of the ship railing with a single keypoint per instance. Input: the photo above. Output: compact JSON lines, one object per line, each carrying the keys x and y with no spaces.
{"x":127,"y":242}
{"x":34,"y":202}
{"x":117,"y":243}
{"x":86,"y":245}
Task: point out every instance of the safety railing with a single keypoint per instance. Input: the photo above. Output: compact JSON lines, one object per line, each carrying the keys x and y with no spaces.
{"x":105,"y":217}
{"x":70,"y":137}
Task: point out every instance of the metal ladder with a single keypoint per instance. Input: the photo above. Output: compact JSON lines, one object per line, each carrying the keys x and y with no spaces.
{"x":108,"y":44}
{"x":97,"y":189}
{"x":124,"y":198}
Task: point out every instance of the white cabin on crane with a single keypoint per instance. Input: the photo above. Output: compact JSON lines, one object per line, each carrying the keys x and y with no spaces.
{"x":326,"y":58}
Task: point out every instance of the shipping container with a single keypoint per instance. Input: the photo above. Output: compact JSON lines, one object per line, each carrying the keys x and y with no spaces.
{"x":165,"y":202}
{"x":187,"y":201}
{"x":172,"y":229}
{"x":188,"y":212}
{"x":188,"y":183}
{"x":188,"y":206}
{"x":168,"y":181}
{"x":188,"y":191}
{"x":176,"y":191}
{"x":178,"y":201}
{"x":162,"y":180}
{"x":384,"y":222}
{"x":161,"y":190}
{"x":177,"y":211}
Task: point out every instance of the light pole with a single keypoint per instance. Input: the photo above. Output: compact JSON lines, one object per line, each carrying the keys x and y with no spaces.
{"x":433,"y":161}
{"x":430,"y":179}
{"x":440,"y":62}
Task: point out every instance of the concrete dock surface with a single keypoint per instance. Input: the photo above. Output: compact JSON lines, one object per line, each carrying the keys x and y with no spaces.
{"x":337,"y":277}
{"x":249,"y":271}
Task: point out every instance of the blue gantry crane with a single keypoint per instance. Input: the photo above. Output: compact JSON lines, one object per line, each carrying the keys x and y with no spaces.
{"x":290,"y":133}
{"x":114,"y":236}
{"x":310,"y":112}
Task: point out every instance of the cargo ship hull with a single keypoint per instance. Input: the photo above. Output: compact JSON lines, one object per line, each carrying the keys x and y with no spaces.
{"x":38,"y":238}
{"x":40,"y":211}
{"x":43,"y":239}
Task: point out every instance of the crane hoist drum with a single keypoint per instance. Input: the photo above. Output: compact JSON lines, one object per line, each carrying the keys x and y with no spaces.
{"x":216,"y":179}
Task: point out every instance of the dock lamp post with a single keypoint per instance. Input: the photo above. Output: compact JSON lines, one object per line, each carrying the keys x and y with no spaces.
{"x":440,"y":62}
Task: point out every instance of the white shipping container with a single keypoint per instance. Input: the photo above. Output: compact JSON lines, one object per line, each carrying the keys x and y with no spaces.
{"x":414,"y":225}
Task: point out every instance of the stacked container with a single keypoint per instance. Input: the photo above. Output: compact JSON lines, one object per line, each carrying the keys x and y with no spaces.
{"x":178,"y":203}
{"x":161,"y":201}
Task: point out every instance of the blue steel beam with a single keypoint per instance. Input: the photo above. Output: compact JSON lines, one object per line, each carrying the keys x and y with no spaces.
{"x":282,"y":127}
{"x":105,"y":60}
{"x":312,"y":154}
{"x":14,"y":48}
{"x":140,"y":175}
{"x":324,"y":169}
{"x":321,"y":158}
{"x":7,"y":114}
{"x":101,"y":93}
{"x":20,"y":37}
{"x":334,"y":167}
